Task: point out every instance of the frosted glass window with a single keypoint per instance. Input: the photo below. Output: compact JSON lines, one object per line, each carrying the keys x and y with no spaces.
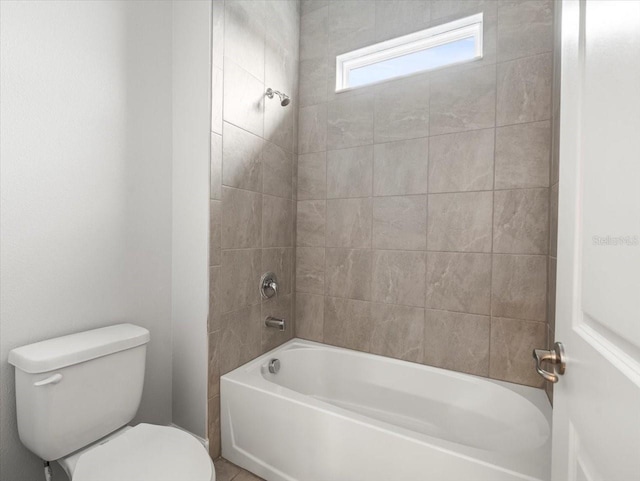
{"x":448,"y":44}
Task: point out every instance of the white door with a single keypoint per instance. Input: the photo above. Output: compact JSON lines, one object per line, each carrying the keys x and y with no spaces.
{"x":596,"y":418}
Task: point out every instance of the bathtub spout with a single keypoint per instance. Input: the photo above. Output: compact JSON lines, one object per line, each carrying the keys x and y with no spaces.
{"x":275,"y":323}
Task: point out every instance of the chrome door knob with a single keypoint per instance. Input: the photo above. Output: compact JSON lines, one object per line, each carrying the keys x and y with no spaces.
{"x":555,"y":357}
{"x":268,"y":285}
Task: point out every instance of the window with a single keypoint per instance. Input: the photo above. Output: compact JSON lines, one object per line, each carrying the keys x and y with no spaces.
{"x":448,"y":44}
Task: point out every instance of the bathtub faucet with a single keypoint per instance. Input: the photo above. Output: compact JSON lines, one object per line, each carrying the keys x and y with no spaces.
{"x":275,"y":323}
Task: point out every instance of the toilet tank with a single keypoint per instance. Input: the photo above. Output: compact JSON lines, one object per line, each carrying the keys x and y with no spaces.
{"x":76,"y":389}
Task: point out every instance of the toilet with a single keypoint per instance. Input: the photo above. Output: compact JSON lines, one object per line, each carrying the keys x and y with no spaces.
{"x":75,"y":396}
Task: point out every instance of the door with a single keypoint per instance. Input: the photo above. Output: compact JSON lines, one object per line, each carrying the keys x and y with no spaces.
{"x":596,"y":419}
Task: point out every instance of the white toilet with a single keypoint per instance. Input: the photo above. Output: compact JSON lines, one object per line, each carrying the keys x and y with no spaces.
{"x":75,"y":395}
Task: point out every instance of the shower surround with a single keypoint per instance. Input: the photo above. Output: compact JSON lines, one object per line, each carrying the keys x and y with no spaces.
{"x":409,"y":219}
{"x":423,"y":203}
{"x":252,"y":206}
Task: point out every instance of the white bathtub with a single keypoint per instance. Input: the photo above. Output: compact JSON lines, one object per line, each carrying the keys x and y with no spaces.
{"x":333,"y":414}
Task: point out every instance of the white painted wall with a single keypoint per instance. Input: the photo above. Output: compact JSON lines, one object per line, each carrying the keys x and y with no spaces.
{"x":191,"y":130}
{"x":86,"y":178}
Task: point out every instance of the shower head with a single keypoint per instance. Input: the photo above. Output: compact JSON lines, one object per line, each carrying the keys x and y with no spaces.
{"x":284,"y":98}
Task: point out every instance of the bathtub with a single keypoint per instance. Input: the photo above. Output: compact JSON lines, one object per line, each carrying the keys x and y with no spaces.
{"x":332,"y":414}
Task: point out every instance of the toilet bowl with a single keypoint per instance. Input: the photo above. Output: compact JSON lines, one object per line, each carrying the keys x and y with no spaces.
{"x":145,"y":452}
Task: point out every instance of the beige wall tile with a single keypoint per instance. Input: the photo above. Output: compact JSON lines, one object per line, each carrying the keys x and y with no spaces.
{"x":217,"y":34}
{"x":524,"y":28}
{"x":310,"y":269}
{"x":523,"y":155}
{"x":215,"y":174}
{"x":215,"y":299}
{"x":519,"y":287}
{"x":279,"y":121}
{"x":279,"y":260}
{"x":243,"y":98}
{"x":551,"y":293}
{"x":460,"y":222}
{"x":213,"y":372}
{"x":400,"y":222}
{"x":461,"y":162}
{"x":312,"y":176}
{"x":347,"y":323}
{"x":397,"y":331}
{"x":244,"y":32}
{"x":463,"y":101}
{"x":349,"y":223}
{"x":286,"y":15}
{"x":400,"y":168}
{"x":241,"y":218}
{"x":524,"y":90}
{"x":349,"y":172}
{"x":213,"y":428}
{"x":348,"y":273}
{"x":400,"y":17}
{"x":277,"y":222}
{"x":350,"y":122}
{"x":404,"y":115}
{"x":242,"y":159}
{"x":459,"y":8}
{"x":512,"y":342}
{"x":309,"y":316}
{"x":553,"y":220}
{"x":459,"y":282}
{"x":277,"y":171}
{"x":444,"y":11}
{"x":215,"y":232}
{"x":217,"y":82}
{"x":520,"y":221}
{"x":457,"y":341}
{"x":351,"y":25}
{"x":240,"y":339}
{"x":312,"y":217}
{"x":314,"y":81}
{"x":461,"y":119}
{"x":279,"y":307}
{"x":240,"y":277}
{"x":314,"y":24}
{"x":255,"y":158}
{"x":399,"y":277}
{"x":312,"y":129}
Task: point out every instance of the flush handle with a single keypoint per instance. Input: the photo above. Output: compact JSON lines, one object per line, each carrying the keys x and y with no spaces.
{"x":555,"y":357}
{"x":55,"y":379}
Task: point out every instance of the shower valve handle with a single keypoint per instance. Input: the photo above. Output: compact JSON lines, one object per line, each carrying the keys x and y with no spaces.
{"x":269,"y":285}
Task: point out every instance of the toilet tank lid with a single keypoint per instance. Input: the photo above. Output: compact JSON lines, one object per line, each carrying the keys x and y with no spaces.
{"x":76,"y":348}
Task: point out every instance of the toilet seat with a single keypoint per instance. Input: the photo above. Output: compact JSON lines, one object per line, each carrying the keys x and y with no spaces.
{"x":146,"y":453}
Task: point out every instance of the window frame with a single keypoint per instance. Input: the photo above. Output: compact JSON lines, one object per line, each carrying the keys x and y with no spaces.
{"x":467,"y":27}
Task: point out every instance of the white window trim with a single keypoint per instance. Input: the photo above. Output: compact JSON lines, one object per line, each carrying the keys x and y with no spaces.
{"x":431,"y":37}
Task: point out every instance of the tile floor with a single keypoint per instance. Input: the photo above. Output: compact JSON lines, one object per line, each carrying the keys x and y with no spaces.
{"x":226,"y":471}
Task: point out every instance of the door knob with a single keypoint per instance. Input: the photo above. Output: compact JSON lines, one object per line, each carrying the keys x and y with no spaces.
{"x":555,"y":357}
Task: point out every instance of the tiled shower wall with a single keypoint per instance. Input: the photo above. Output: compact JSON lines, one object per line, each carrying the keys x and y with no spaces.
{"x":553,"y":191}
{"x":423,"y":203}
{"x":253,"y":152}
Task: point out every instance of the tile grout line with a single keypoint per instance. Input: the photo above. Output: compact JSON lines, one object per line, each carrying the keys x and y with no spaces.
{"x":493,"y":211}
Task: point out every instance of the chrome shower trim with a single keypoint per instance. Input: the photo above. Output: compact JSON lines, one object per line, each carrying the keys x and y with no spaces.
{"x":284,"y":98}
